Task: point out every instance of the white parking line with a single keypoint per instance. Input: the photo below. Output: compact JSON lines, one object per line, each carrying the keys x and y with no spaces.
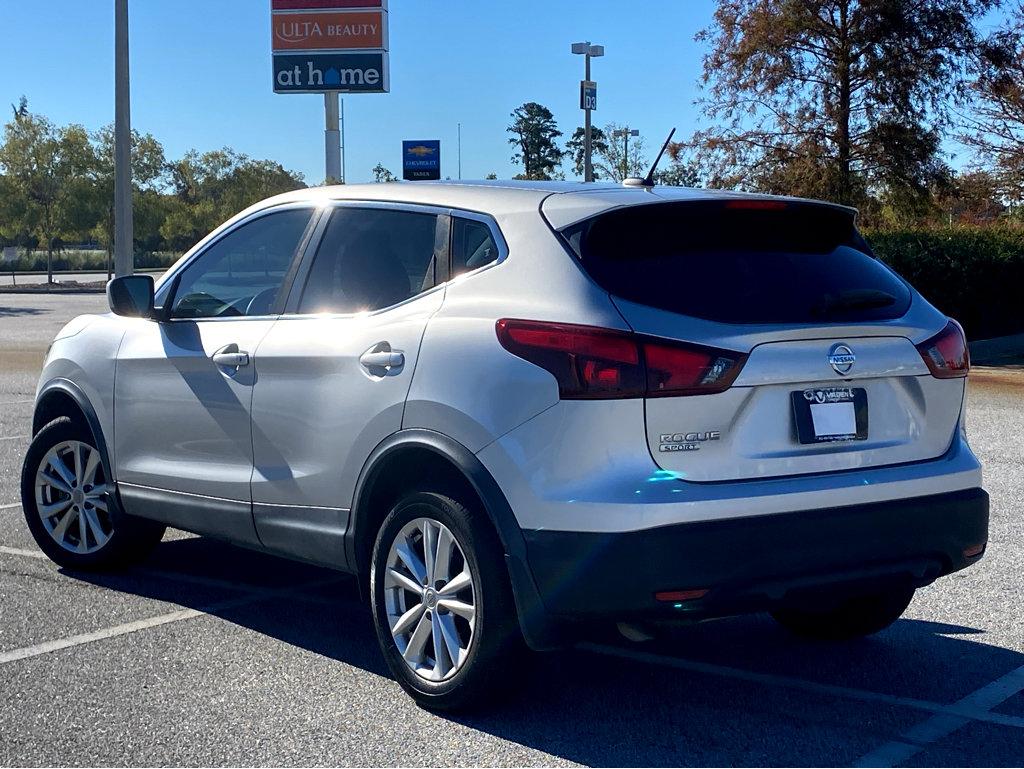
{"x":919,"y":737}
{"x":23,"y":553}
{"x":84,"y":638}
{"x":161,"y":619}
{"x":14,"y":438}
{"x":8,"y":507}
{"x":969,"y":711}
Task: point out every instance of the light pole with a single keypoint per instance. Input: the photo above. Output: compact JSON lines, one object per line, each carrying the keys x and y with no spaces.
{"x":587,"y":50}
{"x":123,"y":230}
{"x":625,"y":133}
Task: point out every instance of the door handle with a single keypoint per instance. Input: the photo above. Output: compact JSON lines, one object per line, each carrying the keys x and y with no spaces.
{"x":230,"y":358}
{"x":386,"y":359}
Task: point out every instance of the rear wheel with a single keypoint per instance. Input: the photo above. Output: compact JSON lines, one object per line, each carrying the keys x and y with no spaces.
{"x":70,"y":505}
{"x":852,"y":618}
{"x":442,"y":603}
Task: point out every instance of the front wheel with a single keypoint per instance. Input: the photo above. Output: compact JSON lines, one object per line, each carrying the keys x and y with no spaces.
{"x":70,"y":505}
{"x":853,"y":618}
{"x":442,"y":603}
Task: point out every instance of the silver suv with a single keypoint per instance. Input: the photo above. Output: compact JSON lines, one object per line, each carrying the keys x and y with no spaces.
{"x":514,"y":409}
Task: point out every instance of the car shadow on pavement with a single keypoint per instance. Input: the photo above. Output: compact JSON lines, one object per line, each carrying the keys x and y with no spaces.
{"x":605,"y":708}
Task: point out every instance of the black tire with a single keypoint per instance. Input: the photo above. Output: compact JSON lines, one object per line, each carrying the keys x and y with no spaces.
{"x":131,"y":538}
{"x":852,"y":618}
{"x":496,"y":644}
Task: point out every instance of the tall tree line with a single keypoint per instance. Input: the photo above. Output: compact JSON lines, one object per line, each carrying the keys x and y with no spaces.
{"x":57,"y":187}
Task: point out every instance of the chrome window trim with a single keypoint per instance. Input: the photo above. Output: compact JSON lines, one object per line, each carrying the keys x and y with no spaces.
{"x":421,"y":208}
{"x":215,"y":237}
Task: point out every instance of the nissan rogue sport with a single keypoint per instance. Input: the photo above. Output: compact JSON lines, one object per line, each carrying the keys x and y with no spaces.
{"x":516,"y":410}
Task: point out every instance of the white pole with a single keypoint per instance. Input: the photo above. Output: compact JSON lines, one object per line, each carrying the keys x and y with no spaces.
{"x":341,"y":113}
{"x":332,"y":138}
{"x":460,"y":150}
{"x":123,"y":229}
{"x":588,"y":164}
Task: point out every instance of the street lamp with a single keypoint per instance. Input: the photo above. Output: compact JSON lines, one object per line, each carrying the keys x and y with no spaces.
{"x":625,"y":133}
{"x":588,"y":101}
{"x":123,"y":236}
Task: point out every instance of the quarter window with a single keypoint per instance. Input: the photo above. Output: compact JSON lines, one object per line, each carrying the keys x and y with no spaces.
{"x":371,"y":258}
{"x":242,"y":273}
{"x":472,"y":245}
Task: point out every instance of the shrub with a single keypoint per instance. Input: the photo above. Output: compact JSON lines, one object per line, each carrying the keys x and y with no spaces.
{"x":973,"y":274}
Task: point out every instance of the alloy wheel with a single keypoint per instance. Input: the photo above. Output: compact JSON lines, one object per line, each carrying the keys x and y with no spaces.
{"x":430,"y":599}
{"x":73,"y":497}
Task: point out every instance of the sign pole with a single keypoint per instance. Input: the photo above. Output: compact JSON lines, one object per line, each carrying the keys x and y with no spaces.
{"x":332,"y":138}
{"x":123,"y":229}
{"x":341,"y":114}
{"x":588,"y":168}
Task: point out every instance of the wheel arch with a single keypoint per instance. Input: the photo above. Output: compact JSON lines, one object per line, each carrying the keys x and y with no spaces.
{"x":62,"y":397}
{"x":416,"y":455}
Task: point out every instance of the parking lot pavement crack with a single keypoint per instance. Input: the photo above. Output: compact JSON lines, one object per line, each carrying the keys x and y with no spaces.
{"x":919,"y":737}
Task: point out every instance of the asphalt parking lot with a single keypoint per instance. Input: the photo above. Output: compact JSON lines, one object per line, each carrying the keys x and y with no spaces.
{"x":208,"y":654}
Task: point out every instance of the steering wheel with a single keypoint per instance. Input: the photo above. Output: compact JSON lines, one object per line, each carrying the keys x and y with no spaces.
{"x":260,"y":304}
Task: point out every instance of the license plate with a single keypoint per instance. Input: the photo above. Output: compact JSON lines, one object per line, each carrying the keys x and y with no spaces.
{"x":828,"y":414}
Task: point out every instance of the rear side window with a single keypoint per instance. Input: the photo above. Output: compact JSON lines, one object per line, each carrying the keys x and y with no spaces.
{"x":740,"y":262}
{"x":472,"y":245}
{"x":371,"y":258}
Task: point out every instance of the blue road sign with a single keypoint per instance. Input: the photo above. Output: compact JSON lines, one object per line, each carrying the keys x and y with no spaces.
{"x":588,"y":94}
{"x":421,"y":160}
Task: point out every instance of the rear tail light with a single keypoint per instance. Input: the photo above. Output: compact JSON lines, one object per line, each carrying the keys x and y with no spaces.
{"x":590,"y":362}
{"x":946,"y":353}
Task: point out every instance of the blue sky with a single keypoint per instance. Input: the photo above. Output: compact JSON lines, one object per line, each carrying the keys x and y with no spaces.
{"x":201,"y":75}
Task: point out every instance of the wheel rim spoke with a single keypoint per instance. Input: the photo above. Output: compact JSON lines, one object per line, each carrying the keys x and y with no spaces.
{"x":62,"y":470}
{"x":429,"y":547}
{"x":412,"y":562}
{"x":91,"y":466}
{"x":62,"y":527}
{"x":407,"y":620}
{"x":395,"y":578}
{"x":98,"y":534}
{"x":462,"y":609}
{"x":83,"y":539}
{"x":48,"y":511}
{"x":414,"y":650}
{"x":443,"y":662}
{"x":431,"y":617}
{"x":450,"y":635}
{"x":442,"y":555}
{"x":457,"y":585}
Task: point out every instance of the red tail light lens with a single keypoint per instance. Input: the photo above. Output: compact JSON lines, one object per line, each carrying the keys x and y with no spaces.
{"x":591,"y":362}
{"x":588,"y":362}
{"x":946,"y":353}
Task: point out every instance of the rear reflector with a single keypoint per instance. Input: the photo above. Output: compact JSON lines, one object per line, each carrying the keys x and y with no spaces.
{"x":974,"y":550}
{"x":946,"y":353}
{"x":590,"y":362}
{"x":680,"y":595}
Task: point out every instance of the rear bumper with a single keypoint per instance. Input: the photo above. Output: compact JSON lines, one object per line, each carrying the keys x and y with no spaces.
{"x":753,"y":563}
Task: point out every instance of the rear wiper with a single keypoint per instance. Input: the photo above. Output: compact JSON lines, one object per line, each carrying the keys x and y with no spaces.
{"x":855,"y":299}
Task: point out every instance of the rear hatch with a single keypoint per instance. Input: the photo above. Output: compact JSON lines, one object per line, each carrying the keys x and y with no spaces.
{"x":789,"y":295}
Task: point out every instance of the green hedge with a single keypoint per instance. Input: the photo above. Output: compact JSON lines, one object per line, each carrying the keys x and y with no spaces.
{"x":75,"y":259}
{"x":973,"y":274}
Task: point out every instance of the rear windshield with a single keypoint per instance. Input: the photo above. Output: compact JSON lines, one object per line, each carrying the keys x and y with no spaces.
{"x":740,"y":262}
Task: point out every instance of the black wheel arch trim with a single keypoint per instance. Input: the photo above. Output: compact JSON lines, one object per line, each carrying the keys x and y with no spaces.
{"x":70,"y":389}
{"x":538,"y":628}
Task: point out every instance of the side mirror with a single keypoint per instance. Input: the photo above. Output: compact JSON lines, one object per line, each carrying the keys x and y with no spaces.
{"x":131,"y":296}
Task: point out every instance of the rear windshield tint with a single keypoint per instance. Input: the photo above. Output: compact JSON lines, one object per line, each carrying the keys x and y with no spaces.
{"x":740,"y":262}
